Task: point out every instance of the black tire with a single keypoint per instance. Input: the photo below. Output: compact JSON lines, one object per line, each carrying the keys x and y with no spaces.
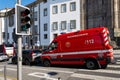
{"x":14,"y":60}
{"x":104,"y":66}
{"x":91,"y":64}
{"x":46,"y":63}
{"x":27,"y":62}
{"x":37,"y":60}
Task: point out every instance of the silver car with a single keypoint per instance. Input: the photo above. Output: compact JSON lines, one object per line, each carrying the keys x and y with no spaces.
{"x":3,"y":57}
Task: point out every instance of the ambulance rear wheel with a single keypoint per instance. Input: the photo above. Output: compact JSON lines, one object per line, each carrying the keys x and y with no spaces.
{"x":46,"y":63}
{"x":91,"y":64}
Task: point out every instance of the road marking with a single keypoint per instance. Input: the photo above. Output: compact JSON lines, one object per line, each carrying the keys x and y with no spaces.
{"x":2,"y":78}
{"x":1,"y":69}
{"x":41,"y":75}
{"x":11,"y":69}
{"x":44,"y":69}
{"x":71,"y":72}
{"x":8,"y":77}
{"x":114,"y":66}
{"x":118,"y":60}
{"x":57,"y":71}
{"x":102,"y":70}
{"x":93,"y":77}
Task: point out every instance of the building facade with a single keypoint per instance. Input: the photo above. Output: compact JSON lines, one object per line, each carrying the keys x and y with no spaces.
{"x":104,"y":13}
{"x":57,"y":17}
{"x":51,"y":18}
{"x":6,"y":27}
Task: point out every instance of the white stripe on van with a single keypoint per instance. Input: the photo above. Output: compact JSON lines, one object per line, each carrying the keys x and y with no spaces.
{"x":80,"y":52}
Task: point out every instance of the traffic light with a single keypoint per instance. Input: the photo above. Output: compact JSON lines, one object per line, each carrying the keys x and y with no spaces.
{"x":23,"y":20}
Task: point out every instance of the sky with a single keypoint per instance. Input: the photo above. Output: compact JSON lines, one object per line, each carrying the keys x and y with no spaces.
{"x":11,"y":3}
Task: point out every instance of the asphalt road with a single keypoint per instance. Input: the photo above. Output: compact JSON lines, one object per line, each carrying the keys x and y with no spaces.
{"x":37,"y":72}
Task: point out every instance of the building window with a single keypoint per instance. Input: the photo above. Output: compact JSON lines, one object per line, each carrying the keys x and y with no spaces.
{"x":63,"y":8}
{"x":45,"y":12}
{"x":44,"y":1}
{"x":45,"y":36}
{"x":35,"y":39}
{"x":11,"y":20}
{"x":35,"y":29}
{"x":45,"y":27}
{"x":63,"y":25}
{"x":73,"y":6}
{"x":8,"y":36}
{"x":5,"y":35}
{"x":27,"y":39}
{"x":55,"y":26}
{"x":55,"y":10}
{"x":35,"y":16}
{"x":72,"y":24}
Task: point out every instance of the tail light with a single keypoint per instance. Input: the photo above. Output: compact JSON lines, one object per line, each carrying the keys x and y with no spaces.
{"x":32,"y":54}
{"x":4,"y":50}
{"x":14,"y":51}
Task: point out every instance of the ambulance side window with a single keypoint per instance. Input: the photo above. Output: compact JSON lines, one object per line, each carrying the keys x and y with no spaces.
{"x":53,"y":46}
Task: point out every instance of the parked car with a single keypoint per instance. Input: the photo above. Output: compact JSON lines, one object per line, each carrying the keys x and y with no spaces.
{"x":7,"y":49}
{"x":29,"y":56}
{"x":3,"y":57}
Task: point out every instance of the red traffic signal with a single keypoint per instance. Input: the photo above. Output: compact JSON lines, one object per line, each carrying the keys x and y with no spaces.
{"x":25,"y":13}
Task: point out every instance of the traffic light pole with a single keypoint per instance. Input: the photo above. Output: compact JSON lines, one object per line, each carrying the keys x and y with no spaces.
{"x":18,"y":1}
{"x":19,"y":65}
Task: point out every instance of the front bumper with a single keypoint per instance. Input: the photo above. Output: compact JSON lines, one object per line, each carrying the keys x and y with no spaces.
{"x":110,"y":60}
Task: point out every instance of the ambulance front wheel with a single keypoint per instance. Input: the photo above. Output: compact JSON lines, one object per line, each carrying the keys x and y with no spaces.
{"x":46,"y":63}
{"x":91,"y":64}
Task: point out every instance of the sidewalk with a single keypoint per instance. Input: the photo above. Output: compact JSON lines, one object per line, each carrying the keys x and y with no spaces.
{"x":2,"y":78}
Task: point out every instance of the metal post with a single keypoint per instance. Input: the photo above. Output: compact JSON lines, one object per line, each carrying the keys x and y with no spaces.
{"x":6,"y":28}
{"x":18,"y":1}
{"x":4,"y":72}
{"x":19,"y":65}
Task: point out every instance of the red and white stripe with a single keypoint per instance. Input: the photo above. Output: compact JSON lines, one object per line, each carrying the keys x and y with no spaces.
{"x":106,"y":40}
{"x":79,"y":52}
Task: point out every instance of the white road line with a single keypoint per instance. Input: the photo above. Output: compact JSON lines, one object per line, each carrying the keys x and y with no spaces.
{"x":116,"y":56}
{"x":93,"y":77}
{"x":46,"y":69}
{"x":71,"y":72}
{"x":2,"y":78}
{"x":1,"y":69}
{"x":41,"y":75}
{"x":114,"y":66}
{"x":11,"y":69}
{"x":102,"y":71}
{"x":57,"y":71}
{"x":118,"y":60}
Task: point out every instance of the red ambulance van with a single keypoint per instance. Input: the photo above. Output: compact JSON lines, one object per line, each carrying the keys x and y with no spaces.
{"x":86,"y":47}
